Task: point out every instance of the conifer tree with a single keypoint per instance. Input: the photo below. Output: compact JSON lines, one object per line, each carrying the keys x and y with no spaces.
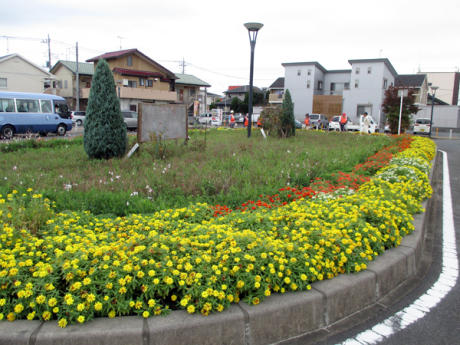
{"x":288,"y":119}
{"x":105,"y":134}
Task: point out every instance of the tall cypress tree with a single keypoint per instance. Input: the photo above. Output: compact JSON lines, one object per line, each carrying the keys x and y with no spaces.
{"x":288,"y":119}
{"x":105,"y":134}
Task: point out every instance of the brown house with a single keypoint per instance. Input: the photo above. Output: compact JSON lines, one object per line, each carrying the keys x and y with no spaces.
{"x":138,"y":79}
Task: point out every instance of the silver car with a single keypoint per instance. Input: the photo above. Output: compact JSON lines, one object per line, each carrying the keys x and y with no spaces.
{"x":78,"y":117}
{"x":130,"y":118}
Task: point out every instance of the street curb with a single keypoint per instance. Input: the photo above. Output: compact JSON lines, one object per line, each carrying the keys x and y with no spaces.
{"x":279,"y":317}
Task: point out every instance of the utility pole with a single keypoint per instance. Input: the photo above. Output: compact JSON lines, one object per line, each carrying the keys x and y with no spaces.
{"x":77,"y":87}
{"x":49,"y":52}
{"x":183,"y":66}
{"x":121,"y":38}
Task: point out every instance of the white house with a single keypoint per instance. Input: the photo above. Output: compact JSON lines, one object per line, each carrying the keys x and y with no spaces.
{"x":361,"y":89}
{"x":21,"y":75}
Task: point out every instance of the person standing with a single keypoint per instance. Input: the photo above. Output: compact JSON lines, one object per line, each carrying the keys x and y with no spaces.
{"x":232,"y":120}
{"x":366,"y":123}
{"x":246,"y":121}
{"x":307,"y":121}
{"x":343,"y":122}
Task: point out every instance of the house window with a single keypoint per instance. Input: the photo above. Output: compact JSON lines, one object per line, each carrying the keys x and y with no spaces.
{"x":192,"y":92}
{"x":308,"y":84}
{"x":65,"y":84}
{"x":357,"y":70}
{"x":141,"y":81}
{"x":298,"y":72}
{"x":346,"y":86}
{"x":356,"y":83}
{"x":132,"y":83}
{"x":129,"y":60}
{"x":3,"y":82}
{"x":369,"y":70}
{"x":332,"y":86}
{"x":385,"y":83}
{"x":149,"y":83}
{"x":320,"y":85}
{"x":309,"y":72}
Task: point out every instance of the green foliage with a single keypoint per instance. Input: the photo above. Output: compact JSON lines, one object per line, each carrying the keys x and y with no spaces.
{"x":184,"y":174}
{"x":105,"y":134}
{"x":287,"y":119}
{"x":271,"y":120}
{"x":392,"y":105}
{"x":236,"y":105}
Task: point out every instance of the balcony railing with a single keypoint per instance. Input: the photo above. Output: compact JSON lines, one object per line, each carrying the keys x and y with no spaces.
{"x":137,"y":93}
{"x":275,"y":98}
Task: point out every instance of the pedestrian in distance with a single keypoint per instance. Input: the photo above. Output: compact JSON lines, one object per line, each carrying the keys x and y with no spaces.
{"x":246,"y":122}
{"x":307,"y":121}
{"x":343,"y":122}
{"x":232,"y":120}
{"x":366,"y":123}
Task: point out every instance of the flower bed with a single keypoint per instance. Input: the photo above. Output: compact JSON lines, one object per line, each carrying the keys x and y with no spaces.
{"x":79,"y":266}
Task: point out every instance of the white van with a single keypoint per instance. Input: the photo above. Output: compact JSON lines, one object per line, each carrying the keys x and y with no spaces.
{"x":205,"y":118}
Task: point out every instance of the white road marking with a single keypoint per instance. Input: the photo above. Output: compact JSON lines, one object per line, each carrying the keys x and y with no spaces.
{"x":446,"y":281}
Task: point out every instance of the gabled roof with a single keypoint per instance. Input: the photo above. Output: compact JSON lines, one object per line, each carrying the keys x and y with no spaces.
{"x":11,"y":56}
{"x":313,"y":63}
{"x":188,"y":79}
{"x":436,"y":101}
{"x":243,"y":89}
{"x":121,"y":53}
{"x":226,"y":101}
{"x":278,"y":84}
{"x":83,"y":68}
{"x":410,"y":80}
{"x":385,"y":61}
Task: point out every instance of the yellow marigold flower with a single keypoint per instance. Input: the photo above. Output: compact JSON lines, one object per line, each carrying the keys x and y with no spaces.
{"x":31,"y":316}
{"x":257,"y":285}
{"x":138,"y":305}
{"x":191,"y":309}
{"x":131,"y":304}
{"x":11,"y":317}
{"x":91,"y":298}
{"x":151,"y":303}
{"x":145,"y":314}
{"x":81,"y":319}
{"x":62,"y":323}
{"x":112,"y":314}
{"x":80,"y":307}
{"x":46,"y":315}
{"x":140,"y":274}
{"x":240,"y":284}
{"x":40,"y":299}
{"x":173,"y":298}
{"x":18,"y":308}
{"x":109,"y":286}
{"x":55,"y":310}
{"x":1,"y":316}
{"x":86,"y":281}
{"x":52,"y":302}
{"x":267,"y":292}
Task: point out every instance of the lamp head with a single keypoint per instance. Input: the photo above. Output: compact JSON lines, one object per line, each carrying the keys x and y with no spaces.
{"x":434,"y":88}
{"x":253,"y":26}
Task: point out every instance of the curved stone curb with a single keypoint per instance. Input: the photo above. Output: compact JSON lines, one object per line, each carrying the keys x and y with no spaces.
{"x":278,"y":318}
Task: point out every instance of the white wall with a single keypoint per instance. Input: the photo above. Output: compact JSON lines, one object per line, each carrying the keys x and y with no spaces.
{"x":297,"y":86}
{"x":444,"y":116}
{"x":22,"y":76}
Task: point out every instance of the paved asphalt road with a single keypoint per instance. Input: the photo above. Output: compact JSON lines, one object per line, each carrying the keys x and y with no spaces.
{"x":441,"y":325}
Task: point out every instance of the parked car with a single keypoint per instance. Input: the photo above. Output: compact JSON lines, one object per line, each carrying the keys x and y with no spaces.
{"x":334,"y":123}
{"x":387,"y":127}
{"x":191,"y":119}
{"x":205,"y":118}
{"x":78,"y":117}
{"x":239,"y":117}
{"x":130,"y":118}
{"x":319,"y":121}
{"x":422,"y":126}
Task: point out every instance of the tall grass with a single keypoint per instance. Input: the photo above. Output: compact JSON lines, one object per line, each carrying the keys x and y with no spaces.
{"x":227,"y":169}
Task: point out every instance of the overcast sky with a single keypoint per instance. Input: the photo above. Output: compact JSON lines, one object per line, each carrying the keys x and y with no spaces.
{"x":210,"y":36}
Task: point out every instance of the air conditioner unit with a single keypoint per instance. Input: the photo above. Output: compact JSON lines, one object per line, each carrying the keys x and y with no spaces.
{"x":125,"y":82}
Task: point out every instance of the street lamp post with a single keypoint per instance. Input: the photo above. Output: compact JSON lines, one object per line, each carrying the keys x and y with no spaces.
{"x":253,"y":29}
{"x":402,"y":93}
{"x":433,"y":91}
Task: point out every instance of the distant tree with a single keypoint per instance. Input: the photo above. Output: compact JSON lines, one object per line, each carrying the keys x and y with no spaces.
{"x":288,"y":119}
{"x":392,"y":104}
{"x":236,"y":105}
{"x":105,"y":130}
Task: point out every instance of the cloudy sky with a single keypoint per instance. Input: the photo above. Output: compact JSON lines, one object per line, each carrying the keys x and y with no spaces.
{"x":210,"y":36}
